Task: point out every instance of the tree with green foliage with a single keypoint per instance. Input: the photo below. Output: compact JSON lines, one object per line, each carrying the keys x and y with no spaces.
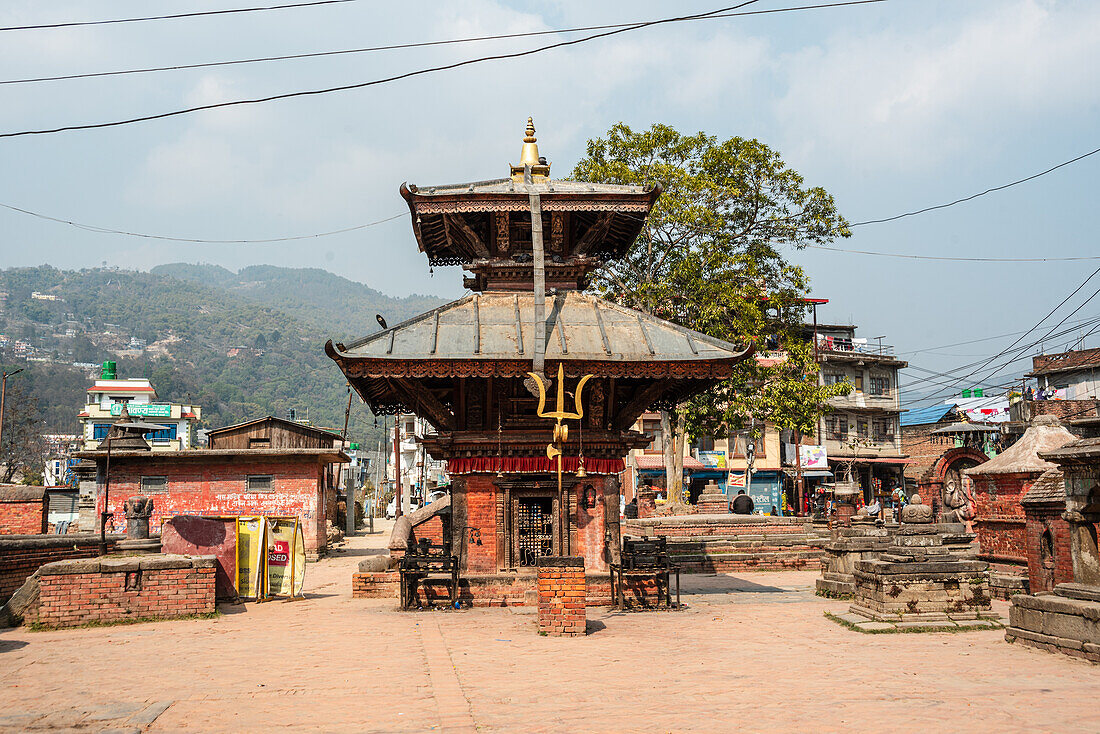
{"x":709,"y":258}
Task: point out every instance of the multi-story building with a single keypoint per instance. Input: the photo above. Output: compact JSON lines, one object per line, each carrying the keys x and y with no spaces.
{"x":417,"y":472}
{"x":104,"y":405}
{"x":861,"y":432}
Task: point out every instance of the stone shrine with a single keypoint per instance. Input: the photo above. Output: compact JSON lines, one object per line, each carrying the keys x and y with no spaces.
{"x":1068,"y":620}
{"x":917,"y":581}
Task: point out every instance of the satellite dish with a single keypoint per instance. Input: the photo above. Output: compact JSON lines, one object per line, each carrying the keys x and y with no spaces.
{"x":381,"y":321}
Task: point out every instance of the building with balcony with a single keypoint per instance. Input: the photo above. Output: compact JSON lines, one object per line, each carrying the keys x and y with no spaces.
{"x":417,"y":472}
{"x":861,"y":433}
{"x":104,"y":405}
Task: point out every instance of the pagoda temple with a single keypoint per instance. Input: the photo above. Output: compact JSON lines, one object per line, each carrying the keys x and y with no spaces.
{"x":530,"y":244}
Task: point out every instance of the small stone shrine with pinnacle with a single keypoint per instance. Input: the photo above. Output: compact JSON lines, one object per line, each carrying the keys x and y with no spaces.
{"x":918,"y":581}
{"x":529,"y":479}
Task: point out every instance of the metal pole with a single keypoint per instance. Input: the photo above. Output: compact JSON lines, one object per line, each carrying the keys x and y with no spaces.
{"x":349,"y":489}
{"x":396,"y":469}
{"x":106,"y":497}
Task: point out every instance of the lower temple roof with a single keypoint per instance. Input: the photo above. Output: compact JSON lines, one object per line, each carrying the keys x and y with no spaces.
{"x":500,"y":327}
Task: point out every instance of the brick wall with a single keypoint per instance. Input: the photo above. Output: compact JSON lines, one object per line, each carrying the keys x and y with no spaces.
{"x":561,"y":590}
{"x":923,"y":449}
{"x":22,"y":556}
{"x":999,"y":516}
{"x":219,"y":488}
{"x":1045,"y":570}
{"x":432,"y":529}
{"x":481,"y":523}
{"x":480,"y":590}
{"x":23,"y":510}
{"x":74,"y":593}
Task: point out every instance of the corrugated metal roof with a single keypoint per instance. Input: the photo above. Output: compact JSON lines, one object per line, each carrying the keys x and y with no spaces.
{"x":500,"y":326}
{"x":924,"y":416}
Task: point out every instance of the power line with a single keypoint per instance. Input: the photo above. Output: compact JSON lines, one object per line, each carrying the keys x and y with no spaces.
{"x":175,"y":16}
{"x":975,"y":196}
{"x":360,"y":85}
{"x":108,"y":230}
{"x":954,"y":259}
{"x":422,"y":44}
{"x":983,"y":339}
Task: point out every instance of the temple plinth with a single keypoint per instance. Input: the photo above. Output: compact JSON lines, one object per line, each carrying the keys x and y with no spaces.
{"x":463,"y":366}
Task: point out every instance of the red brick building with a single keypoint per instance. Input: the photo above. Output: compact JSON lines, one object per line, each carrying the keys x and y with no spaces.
{"x":999,"y":486}
{"x":233,"y":482}
{"x":23,"y":510}
{"x":1049,"y":561}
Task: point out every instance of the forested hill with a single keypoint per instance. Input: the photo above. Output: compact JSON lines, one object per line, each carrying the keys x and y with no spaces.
{"x":240,"y":345}
{"x":311,"y":294}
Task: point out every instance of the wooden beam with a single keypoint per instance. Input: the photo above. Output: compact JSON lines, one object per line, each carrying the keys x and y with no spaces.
{"x":457,"y":229}
{"x":625,"y":418}
{"x":419,"y":399}
{"x":594,"y":234}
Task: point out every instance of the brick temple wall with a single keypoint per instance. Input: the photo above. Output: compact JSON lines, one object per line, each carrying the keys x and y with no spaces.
{"x":75,"y":593}
{"x":21,"y":556}
{"x":481,"y":523}
{"x":432,"y":529}
{"x":1045,"y":572}
{"x":999,"y":517}
{"x":219,"y":488}
{"x":23,"y":510}
{"x":479,"y":590}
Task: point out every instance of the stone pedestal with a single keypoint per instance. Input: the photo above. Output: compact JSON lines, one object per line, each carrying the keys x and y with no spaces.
{"x":712,"y":501}
{"x":138,"y":511}
{"x":918,"y":580}
{"x":863,"y":541}
{"x":647,"y":502}
{"x":561,"y":589}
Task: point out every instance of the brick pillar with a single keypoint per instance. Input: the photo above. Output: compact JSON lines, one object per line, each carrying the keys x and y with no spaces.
{"x":647,"y":502}
{"x":561,"y":596}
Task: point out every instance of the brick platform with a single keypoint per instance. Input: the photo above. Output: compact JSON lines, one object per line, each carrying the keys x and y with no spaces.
{"x":477,"y":590}
{"x":728,"y":543}
{"x":112,"y":589}
{"x":561,"y":589}
{"x":21,"y":555}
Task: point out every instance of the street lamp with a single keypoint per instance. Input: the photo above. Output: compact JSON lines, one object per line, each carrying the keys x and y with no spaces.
{"x":3,"y":391}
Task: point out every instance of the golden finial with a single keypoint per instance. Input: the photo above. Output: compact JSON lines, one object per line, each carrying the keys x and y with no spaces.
{"x":529,"y":156}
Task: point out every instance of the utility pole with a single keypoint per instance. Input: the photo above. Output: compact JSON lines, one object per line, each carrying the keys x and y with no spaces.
{"x":3,"y":396}
{"x":396,"y":467}
{"x":349,"y":483}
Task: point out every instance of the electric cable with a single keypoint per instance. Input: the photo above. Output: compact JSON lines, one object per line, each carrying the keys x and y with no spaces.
{"x":982,"y":193}
{"x":174,"y":16}
{"x":955,"y":259}
{"x":385,"y":80}
{"x":422,"y":44}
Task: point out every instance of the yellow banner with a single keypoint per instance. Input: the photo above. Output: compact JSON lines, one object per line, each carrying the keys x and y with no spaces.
{"x":251,"y":543}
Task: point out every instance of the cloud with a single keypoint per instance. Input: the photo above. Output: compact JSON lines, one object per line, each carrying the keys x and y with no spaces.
{"x":914,"y":99}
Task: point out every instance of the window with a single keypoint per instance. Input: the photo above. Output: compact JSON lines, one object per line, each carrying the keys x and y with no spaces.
{"x":652,"y":427}
{"x":884,"y":430}
{"x":259,"y":443}
{"x":834,"y":378}
{"x":880,"y":385}
{"x":739,"y":441}
{"x":260,"y":483}
{"x":704,"y":444}
{"x":99,"y":431}
{"x":836,"y":427}
{"x":858,"y":382}
{"x":861,"y":428}
{"x":153,"y":485}
{"x":168,"y":433}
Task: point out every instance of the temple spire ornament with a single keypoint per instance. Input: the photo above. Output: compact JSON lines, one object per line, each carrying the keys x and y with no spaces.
{"x":529,"y":157}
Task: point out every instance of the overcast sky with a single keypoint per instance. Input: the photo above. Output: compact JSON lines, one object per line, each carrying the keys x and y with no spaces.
{"x":890,"y":107}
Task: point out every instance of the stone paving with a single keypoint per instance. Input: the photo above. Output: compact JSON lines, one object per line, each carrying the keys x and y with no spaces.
{"x":753,"y":652}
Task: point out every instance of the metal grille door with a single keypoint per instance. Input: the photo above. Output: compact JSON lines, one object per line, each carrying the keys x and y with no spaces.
{"x":534,"y":530}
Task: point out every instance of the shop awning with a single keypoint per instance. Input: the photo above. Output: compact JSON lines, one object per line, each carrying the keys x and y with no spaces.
{"x":657,"y":461}
{"x":817,"y":473}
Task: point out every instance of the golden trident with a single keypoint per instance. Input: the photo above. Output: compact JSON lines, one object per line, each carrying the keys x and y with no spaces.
{"x":561,"y":430}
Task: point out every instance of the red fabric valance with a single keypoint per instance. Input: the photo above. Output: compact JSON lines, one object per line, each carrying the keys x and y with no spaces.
{"x":530,"y":465}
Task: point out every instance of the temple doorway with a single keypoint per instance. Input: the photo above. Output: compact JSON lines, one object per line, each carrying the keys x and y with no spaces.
{"x":534,"y":529}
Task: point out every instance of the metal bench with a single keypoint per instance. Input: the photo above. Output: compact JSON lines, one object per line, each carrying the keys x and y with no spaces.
{"x":644,"y":557}
{"x":425,"y":561}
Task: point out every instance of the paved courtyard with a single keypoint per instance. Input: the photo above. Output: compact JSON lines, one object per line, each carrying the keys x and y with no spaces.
{"x":753,"y":652}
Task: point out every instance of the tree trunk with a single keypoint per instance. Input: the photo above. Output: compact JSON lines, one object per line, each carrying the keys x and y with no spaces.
{"x":672,"y":430}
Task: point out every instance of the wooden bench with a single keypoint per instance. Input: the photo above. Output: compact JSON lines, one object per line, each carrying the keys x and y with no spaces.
{"x":425,"y":561}
{"x":645,"y":557}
